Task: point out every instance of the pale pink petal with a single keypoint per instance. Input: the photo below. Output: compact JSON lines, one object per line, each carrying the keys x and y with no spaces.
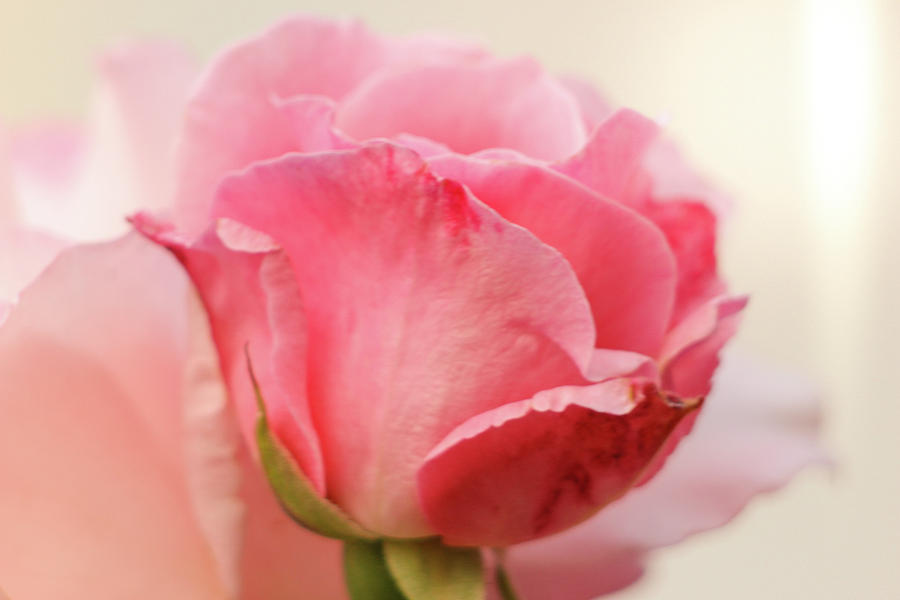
{"x":226,"y":133}
{"x":45,"y":163}
{"x":8,"y":209}
{"x":535,"y":467}
{"x":255,"y":309}
{"x":622,"y":261}
{"x":594,"y":107}
{"x":757,"y":430}
{"x":613,"y":155}
{"x":510,"y":104}
{"x":386,"y":256}
{"x":690,"y":352}
{"x":85,"y":187}
{"x":260,"y":551}
{"x":23,"y":255}
{"x":94,"y":500}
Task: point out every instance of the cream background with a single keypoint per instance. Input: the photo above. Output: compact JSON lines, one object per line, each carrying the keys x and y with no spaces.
{"x":791,"y":106}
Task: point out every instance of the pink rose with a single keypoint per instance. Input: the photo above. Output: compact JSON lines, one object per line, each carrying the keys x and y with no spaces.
{"x":478,"y":304}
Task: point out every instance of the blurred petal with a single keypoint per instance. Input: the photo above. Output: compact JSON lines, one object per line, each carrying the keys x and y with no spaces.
{"x":620,"y":258}
{"x":532,"y":468}
{"x":124,"y":161}
{"x":594,"y":107}
{"x":90,"y":460}
{"x":756,"y":431}
{"x":509,"y":104}
{"x":386,"y":255}
{"x":23,"y":255}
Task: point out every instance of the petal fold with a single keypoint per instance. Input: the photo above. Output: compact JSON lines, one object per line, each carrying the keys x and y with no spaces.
{"x":535,"y":467}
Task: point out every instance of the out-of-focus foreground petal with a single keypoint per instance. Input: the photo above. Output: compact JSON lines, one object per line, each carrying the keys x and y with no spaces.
{"x":93,"y":502}
{"x":757,"y":430}
{"x":83,"y":186}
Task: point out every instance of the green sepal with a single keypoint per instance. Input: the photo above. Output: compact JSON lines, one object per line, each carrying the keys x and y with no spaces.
{"x":367,"y":574}
{"x":293,"y":488}
{"x":429,"y":570}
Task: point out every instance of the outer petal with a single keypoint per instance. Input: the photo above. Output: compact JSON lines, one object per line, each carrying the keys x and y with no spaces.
{"x":7,"y":199}
{"x":237,"y":116}
{"x":511,"y":104}
{"x":89,"y":457}
{"x":424,"y":308}
{"x":690,"y":353}
{"x":616,"y":163}
{"x":622,"y":261}
{"x":124,"y":162}
{"x":23,"y":255}
{"x":254,"y":307}
{"x":532,"y":468}
{"x":594,"y":107}
{"x":755,"y":432}
{"x":613,"y":155}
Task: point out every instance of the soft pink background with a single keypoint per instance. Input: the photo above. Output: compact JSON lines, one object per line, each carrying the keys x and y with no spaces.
{"x":791,"y":105}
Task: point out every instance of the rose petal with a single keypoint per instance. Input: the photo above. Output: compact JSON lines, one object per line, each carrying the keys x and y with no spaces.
{"x":532,"y":468}
{"x":254,"y":307}
{"x":613,"y":154}
{"x":386,"y":256}
{"x":23,"y":255}
{"x":89,"y":457}
{"x":690,"y":229}
{"x":622,"y":261}
{"x":594,"y":107}
{"x":690,"y":352}
{"x":126,"y":162}
{"x":510,"y":104}
{"x":757,"y":430}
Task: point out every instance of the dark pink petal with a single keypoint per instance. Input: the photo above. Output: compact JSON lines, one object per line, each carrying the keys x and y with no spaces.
{"x":616,"y":163}
{"x":622,"y":261}
{"x":509,"y":104}
{"x":690,"y":352}
{"x":254,"y":307}
{"x":535,"y":467}
{"x":94,"y":495}
{"x":690,"y":229}
{"x":424,"y":309}
{"x":756,"y":431}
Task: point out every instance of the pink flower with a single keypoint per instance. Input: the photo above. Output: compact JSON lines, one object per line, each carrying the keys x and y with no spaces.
{"x":512,"y":299}
{"x":478,"y":303}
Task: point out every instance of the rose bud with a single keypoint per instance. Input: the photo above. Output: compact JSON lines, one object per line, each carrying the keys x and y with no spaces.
{"x":458,"y":303}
